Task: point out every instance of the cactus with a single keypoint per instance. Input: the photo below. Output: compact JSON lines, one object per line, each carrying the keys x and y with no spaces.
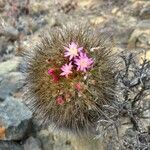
{"x":69,"y":77}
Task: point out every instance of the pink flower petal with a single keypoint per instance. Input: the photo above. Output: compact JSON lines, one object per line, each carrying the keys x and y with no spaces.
{"x":72,"y":50}
{"x":60,"y":100}
{"x":67,"y":69}
{"x":51,"y":71}
{"x":80,"y":49}
{"x":73,"y":45}
{"x":83,"y":62}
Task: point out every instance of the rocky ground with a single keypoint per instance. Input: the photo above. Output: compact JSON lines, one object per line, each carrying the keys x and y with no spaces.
{"x":22,"y":22}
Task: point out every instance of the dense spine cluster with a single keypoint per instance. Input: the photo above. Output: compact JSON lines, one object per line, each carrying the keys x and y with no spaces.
{"x":69,"y":78}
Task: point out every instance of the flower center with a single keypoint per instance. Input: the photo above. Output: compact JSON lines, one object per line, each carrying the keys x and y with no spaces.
{"x":74,"y":51}
{"x":83,"y":63}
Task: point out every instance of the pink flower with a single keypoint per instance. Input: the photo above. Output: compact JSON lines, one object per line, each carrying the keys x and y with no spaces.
{"x":83,"y":62}
{"x":72,"y":50}
{"x":66,"y":70}
{"x":55,"y":78}
{"x":78,"y":86}
{"x":60,"y":100}
{"x":51,"y":71}
{"x":53,"y":75}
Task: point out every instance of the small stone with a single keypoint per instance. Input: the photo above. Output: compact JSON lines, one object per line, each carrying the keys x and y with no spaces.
{"x":115,"y":10}
{"x":10,"y":49}
{"x":85,"y":3}
{"x":54,"y":140}
{"x":140,"y":37}
{"x":15,"y":119}
{"x":97,"y":20}
{"x":1,"y":99}
{"x":144,"y":25}
{"x":10,"y":65}
{"x":36,"y":8}
{"x":11,"y":84}
{"x":5,"y":49}
{"x":52,"y":21}
{"x":63,"y":147}
{"x":134,"y":82}
{"x":119,"y":14}
{"x":46,"y":139}
{"x":2,"y":5}
{"x":10,"y":146}
{"x":32,"y":144}
{"x":145,"y":12}
{"x":8,"y":31}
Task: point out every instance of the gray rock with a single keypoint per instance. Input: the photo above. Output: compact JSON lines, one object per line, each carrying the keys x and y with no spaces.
{"x":63,"y":147}
{"x":54,"y":140}
{"x":144,"y":40}
{"x":144,"y":25}
{"x":15,"y":119}
{"x":135,"y":140}
{"x":5,"y":50}
{"x":3,"y":45}
{"x":46,"y":139}
{"x":62,"y":142}
{"x":11,"y":84}
{"x":32,"y":144}
{"x":10,"y":65}
{"x":1,"y":99}
{"x":10,"y":49}
{"x":8,"y":31}
{"x":10,"y":146}
{"x":145,"y":12}
{"x":140,"y":37}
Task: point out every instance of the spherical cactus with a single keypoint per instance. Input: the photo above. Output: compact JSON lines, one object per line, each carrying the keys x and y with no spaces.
{"x":69,"y":78}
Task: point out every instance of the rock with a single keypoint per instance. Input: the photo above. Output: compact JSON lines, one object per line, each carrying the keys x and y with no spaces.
{"x":86,"y":142}
{"x":2,"y":5}
{"x":62,"y":142}
{"x":140,"y":37}
{"x":10,"y":49}
{"x":8,"y":31}
{"x":99,"y":20}
{"x":6,"y":49}
{"x":62,"y":147}
{"x":3,"y":45}
{"x":145,"y":12}
{"x":144,"y":25}
{"x":36,"y":8}
{"x":15,"y":119}
{"x":54,"y":141}
{"x":84,"y":4}
{"x":1,"y":99}
{"x":32,"y":144}
{"x":115,"y":10}
{"x":10,"y":146}
{"x":46,"y":139}
{"x":52,"y":21}
{"x":23,"y":25}
{"x":10,"y":65}
{"x":119,"y":34}
{"x":135,"y":140}
{"x":29,"y":25}
{"x":10,"y":84}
